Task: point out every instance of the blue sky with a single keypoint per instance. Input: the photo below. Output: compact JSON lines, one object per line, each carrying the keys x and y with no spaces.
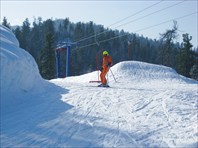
{"x":109,"y":12}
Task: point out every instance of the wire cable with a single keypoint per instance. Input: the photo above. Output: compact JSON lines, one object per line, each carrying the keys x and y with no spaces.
{"x":135,"y":19}
{"x":135,"y":13}
{"x":94,"y":35}
{"x":178,"y":18}
{"x":150,"y":14}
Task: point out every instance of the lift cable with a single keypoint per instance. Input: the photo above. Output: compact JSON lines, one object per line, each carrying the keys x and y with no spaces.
{"x":93,"y":35}
{"x":133,"y":20}
{"x":181,"y":17}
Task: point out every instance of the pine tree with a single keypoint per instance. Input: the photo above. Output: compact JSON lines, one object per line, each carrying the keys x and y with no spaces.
{"x":167,"y":48}
{"x":185,"y":58}
{"x":47,"y":59}
{"x":66,"y":24}
{"x":194,"y":71}
{"x":18,"y":34}
{"x":5,"y":23}
{"x":25,"y":35}
{"x":36,"y":38}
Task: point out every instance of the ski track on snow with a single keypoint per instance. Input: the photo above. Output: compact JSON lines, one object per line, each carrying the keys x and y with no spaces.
{"x":108,"y":117}
{"x":132,"y":116}
{"x":121,"y":116}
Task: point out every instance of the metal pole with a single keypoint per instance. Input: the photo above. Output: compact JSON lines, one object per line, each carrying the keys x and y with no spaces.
{"x":57,"y":64}
{"x":68,"y":61}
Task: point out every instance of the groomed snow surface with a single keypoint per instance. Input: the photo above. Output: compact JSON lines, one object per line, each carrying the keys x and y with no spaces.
{"x":148,"y":106}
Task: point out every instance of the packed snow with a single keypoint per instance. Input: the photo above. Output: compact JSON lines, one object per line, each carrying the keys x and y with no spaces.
{"x":147,"y":106}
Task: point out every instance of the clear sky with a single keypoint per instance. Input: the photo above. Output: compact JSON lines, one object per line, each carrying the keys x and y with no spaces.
{"x":109,"y":12}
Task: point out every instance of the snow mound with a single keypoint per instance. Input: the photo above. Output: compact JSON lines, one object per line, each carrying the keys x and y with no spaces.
{"x":134,"y":71}
{"x":19,"y":71}
{"x":141,"y":71}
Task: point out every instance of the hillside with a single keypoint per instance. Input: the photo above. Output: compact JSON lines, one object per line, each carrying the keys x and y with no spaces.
{"x":88,"y":39}
{"x":149,"y":105}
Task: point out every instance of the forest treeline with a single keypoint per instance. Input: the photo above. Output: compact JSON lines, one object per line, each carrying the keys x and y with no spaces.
{"x":41,"y":38}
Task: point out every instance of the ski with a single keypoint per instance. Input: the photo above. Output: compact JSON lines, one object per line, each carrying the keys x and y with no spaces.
{"x":101,"y":85}
{"x":94,"y":81}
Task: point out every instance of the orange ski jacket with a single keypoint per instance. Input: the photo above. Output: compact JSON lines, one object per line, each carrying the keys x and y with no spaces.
{"x":107,"y":60}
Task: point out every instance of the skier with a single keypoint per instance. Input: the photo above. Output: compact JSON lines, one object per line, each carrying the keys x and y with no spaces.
{"x":106,"y":63}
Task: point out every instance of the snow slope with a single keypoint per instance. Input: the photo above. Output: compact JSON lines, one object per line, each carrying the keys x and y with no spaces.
{"x":148,"y":106}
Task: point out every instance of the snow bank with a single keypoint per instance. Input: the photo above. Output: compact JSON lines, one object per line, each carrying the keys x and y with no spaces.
{"x":27,"y":100}
{"x":19,"y":71}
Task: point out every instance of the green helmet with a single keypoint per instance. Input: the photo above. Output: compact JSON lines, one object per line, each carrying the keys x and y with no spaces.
{"x":105,"y":53}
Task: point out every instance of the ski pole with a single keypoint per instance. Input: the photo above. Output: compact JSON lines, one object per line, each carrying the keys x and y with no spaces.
{"x":112,"y":74}
{"x":107,"y":78}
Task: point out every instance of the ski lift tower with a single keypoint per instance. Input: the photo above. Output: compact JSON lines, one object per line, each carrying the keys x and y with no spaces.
{"x":63,"y":46}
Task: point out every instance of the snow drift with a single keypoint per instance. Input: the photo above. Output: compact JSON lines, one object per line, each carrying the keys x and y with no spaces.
{"x":26,"y":99}
{"x":19,"y":72}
